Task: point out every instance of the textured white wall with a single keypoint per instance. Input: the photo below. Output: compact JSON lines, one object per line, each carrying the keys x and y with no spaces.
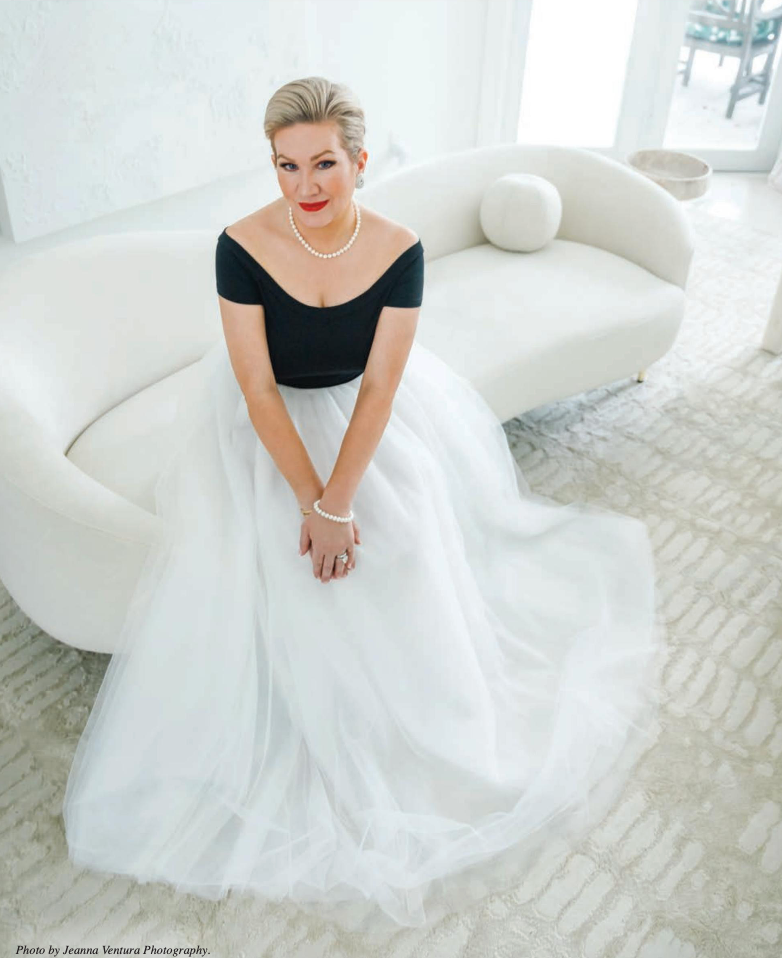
{"x":108,"y":106}
{"x":415,"y":64}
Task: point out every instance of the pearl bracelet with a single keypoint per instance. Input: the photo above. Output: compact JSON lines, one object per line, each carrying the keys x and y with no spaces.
{"x":327,"y":515}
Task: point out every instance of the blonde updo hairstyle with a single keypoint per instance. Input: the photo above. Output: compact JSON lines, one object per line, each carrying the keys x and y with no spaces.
{"x":317,"y":100}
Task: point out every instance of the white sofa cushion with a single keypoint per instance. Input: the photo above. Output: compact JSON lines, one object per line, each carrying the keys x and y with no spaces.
{"x":126,"y":448}
{"x":521,"y":212}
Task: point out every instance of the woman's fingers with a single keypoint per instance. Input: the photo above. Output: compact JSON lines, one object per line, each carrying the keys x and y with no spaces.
{"x":328,"y":568}
{"x":343,"y":568}
{"x":304,"y":540}
{"x":332,"y":567}
{"x":322,"y":566}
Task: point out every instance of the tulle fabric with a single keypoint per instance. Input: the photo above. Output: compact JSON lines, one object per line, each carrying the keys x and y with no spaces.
{"x":405,"y":738}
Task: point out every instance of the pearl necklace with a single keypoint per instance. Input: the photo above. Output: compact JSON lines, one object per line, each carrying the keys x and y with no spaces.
{"x":344,"y":249}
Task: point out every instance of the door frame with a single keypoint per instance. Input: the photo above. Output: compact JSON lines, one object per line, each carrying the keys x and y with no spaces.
{"x":650,"y":84}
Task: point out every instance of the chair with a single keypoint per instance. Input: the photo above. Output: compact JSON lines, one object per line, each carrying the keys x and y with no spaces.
{"x":734,"y":28}
{"x":101,"y":341}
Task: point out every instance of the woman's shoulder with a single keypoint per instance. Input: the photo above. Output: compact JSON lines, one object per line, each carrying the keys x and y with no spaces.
{"x":397,"y":235}
{"x":259,"y":223}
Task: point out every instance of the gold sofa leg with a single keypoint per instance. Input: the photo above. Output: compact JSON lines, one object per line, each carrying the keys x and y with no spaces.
{"x":641,"y":376}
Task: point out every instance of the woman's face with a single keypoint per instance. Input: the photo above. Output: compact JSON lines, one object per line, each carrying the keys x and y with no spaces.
{"x":312,"y":167}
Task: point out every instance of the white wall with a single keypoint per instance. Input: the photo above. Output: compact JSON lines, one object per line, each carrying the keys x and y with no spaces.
{"x":150,"y":114}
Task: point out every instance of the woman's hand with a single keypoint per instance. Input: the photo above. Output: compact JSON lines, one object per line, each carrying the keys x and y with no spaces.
{"x":325,"y":539}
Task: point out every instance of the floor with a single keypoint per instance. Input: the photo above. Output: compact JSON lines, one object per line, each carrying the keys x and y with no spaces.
{"x":745,"y":198}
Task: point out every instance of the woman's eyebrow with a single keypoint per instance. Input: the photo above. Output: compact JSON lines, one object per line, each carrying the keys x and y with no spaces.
{"x":282,"y":156}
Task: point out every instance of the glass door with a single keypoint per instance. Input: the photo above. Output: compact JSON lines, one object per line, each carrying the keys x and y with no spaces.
{"x":727,"y":79}
{"x":616,"y":76}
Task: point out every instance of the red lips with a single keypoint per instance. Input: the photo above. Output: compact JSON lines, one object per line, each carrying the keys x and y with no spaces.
{"x":311,"y":207}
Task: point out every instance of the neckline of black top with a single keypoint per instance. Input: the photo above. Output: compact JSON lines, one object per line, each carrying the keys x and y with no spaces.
{"x":334,"y":306}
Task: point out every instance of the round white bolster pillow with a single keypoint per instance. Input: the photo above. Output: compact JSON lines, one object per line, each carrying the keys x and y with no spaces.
{"x":521,"y":212}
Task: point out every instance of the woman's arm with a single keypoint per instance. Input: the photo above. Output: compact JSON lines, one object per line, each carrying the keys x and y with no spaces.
{"x":244,"y":326}
{"x":391,"y":345}
{"x":269,"y":415}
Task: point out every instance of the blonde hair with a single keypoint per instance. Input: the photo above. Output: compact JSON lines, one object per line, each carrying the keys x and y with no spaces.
{"x":317,"y":100}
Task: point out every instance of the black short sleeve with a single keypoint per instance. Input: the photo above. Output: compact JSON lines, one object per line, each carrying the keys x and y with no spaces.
{"x":408,"y":289}
{"x":233,"y":277}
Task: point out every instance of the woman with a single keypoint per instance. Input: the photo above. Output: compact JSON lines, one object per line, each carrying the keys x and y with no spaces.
{"x":480,"y":656}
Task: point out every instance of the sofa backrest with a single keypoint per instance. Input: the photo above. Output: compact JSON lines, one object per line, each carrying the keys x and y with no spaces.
{"x":85,"y":325}
{"x":605,"y":203}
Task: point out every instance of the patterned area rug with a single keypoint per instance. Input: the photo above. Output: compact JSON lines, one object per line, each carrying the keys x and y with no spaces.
{"x":687,"y":862}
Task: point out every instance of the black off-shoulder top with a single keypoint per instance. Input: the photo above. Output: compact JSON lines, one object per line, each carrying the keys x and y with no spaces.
{"x":313,"y":346}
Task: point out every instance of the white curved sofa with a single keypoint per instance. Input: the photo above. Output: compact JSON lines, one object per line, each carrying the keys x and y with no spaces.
{"x":99,"y":342}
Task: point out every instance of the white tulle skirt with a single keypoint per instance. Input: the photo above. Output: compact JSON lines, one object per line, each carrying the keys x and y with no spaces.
{"x":472,"y":688}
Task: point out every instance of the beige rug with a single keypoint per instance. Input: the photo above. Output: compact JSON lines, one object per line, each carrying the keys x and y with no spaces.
{"x":688,"y":862}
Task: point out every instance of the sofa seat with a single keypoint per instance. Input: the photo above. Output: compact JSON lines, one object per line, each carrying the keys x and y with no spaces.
{"x":528,"y":328}
{"x":126,"y":448}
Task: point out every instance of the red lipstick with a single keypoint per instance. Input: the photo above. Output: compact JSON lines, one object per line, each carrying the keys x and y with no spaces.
{"x":312,"y":207}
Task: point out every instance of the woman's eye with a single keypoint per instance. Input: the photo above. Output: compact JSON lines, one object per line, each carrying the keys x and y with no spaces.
{"x":330,"y":164}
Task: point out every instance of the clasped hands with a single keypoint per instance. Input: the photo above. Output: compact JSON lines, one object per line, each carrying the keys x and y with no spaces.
{"x":325,"y":539}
